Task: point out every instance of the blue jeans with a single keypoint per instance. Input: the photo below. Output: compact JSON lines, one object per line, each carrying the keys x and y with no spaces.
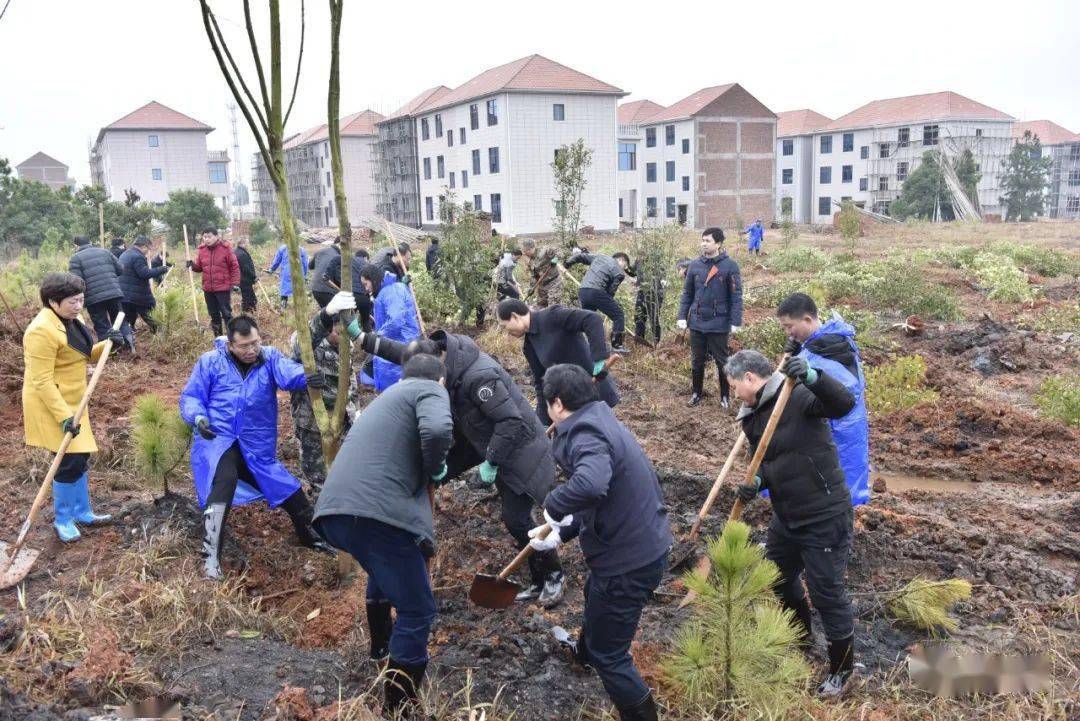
{"x":598,"y":300}
{"x":613,"y":607}
{"x":397,"y":572}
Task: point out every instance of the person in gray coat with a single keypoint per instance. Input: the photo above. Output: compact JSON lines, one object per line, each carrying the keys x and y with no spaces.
{"x":599,"y":286}
{"x":326,"y":278}
{"x":375,"y":505}
{"x":100,"y":271}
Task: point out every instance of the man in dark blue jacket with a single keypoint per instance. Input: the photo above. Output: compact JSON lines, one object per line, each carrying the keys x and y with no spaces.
{"x":135,"y":276}
{"x":559,"y":335}
{"x":613,"y":501}
{"x":100,"y":271}
{"x":711,"y":307}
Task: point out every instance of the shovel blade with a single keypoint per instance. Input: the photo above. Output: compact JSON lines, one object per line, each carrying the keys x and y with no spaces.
{"x":9,"y":576}
{"x":493,"y":592}
{"x":682,"y":555}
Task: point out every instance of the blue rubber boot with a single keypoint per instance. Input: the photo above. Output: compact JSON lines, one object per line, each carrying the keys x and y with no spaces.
{"x":64,"y":507}
{"x":83,"y":513}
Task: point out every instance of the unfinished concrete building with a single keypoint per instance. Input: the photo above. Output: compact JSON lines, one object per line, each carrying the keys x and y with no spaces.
{"x":1062,"y":146}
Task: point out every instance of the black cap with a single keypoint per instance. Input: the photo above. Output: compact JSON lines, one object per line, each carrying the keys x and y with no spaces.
{"x":81,"y":240}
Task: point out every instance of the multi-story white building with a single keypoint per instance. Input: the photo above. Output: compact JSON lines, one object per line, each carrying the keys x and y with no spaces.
{"x":155,"y":150}
{"x":1063,"y":148}
{"x":867,"y":154}
{"x":795,"y":161}
{"x":631,"y":136}
{"x":45,"y":169}
{"x":706,"y":160}
{"x":491,"y":142}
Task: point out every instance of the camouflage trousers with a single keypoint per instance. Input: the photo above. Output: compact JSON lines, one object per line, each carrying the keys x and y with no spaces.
{"x":306,"y":430}
{"x":551,"y":292}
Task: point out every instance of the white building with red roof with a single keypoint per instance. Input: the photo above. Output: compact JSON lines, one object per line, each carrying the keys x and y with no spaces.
{"x":795,"y":161}
{"x":155,"y":150}
{"x":492,"y":140}
{"x":1062,"y":146}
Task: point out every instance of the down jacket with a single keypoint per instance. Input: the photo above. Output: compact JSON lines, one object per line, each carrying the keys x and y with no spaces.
{"x":135,"y":278}
{"x":281,"y":260}
{"x":604,"y":274}
{"x":241,"y":410}
{"x":99,"y":270}
{"x":712,"y":297}
{"x":326,"y":269}
{"x":218,"y":265}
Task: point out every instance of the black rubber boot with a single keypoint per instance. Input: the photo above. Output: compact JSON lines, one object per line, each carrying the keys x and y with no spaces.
{"x":213,"y":527}
{"x":841,"y":668}
{"x":301,"y":513}
{"x":402,"y":685}
{"x":643,"y":711}
{"x":380,"y":626}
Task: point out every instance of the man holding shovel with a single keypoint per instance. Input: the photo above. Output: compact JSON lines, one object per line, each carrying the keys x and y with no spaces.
{"x":811,"y":527}
{"x":613,"y":501}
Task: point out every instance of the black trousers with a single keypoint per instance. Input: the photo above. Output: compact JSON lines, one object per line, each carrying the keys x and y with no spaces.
{"x":508,"y":291}
{"x":706,"y":344}
{"x":820,"y":551}
{"x":102,"y":315}
{"x":219,"y":306}
{"x":322,"y":298}
{"x":647,"y":314}
{"x":232,"y":468}
{"x":598,"y":300}
{"x":133,"y":312}
{"x":248,"y":300}
{"x":71,"y":468}
{"x":517,"y":517}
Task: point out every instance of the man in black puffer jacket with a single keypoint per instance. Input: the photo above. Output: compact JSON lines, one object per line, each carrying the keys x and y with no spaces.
{"x":812,"y":518}
{"x":496,"y":429}
{"x":100,"y":271}
{"x":326,"y":275}
{"x":135,"y":278}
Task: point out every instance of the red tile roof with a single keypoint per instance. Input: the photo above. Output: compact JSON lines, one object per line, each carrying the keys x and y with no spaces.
{"x":534,"y":73}
{"x":1049,"y":133}
{"x":304,"y":137}
{"x":916,"y":108}
{"x":155,"y":116}
{"x":637,"y":111}
{"x":430,"y":95}
{"x":691,"y":104}
{"x":799,"y":122}
{"x":352,"y":126}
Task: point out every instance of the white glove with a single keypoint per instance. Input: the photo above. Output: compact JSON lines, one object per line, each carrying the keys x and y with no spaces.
{"x":681,"y":324}
{"x":736,"y":328}
{"x":341,"y":301}
{"x":566,"y":520}
{"x":548,"y":543}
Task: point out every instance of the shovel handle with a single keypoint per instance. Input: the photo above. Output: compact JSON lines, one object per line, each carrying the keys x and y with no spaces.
{"x":717,"y":485}
{"x":523,"y":555}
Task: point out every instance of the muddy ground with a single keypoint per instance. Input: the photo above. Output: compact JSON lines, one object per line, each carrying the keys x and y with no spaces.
{"x":1014,"y":533}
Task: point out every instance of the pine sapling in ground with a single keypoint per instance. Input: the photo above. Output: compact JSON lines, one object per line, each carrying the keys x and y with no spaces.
{"x":160,"y":438}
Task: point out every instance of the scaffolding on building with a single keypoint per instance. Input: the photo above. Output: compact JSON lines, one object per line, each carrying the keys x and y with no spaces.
{"x":395,"y":173}
{"x":1063,"y":190}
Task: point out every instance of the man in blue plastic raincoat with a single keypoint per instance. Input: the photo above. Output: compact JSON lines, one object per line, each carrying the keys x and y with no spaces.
{"x":230,"y":401}
{"x":281,"y":260}
{"x":830,"y":347}
{"x":395,"y":318}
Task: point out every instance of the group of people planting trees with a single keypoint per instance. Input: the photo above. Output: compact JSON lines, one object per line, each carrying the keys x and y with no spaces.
{"x":564,"y":467}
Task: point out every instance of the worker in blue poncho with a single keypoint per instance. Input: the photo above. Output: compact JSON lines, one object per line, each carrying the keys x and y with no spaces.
{"x":230,"y":401}
{"x":281,"y":260}
{"x":395,"y":318}
{"x":830,"y":347}
{"x":754,"y":233}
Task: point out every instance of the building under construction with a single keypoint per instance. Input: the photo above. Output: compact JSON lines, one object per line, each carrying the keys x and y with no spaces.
{"x":1063,"y":148}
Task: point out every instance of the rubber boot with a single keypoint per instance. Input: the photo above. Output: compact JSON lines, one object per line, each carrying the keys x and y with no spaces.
{"x":300,"y":511}
{"x":213,"y":527}
{"x":380,"y":626}
{"x":64,"y":508}
{"x":402,"y":685}
{"x":129,"y":337}
{"x":841,"y":668}
{"x":645,"y":710}
{"x":84,"y":514}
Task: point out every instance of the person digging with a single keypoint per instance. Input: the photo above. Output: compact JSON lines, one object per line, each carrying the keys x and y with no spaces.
{"x":613,"y":502}
{"x":376,"y":507}
{"x":810,"y":531}
{"x":230,"y":401}
{"x":599,"y":286}
{"x":497,"y":432}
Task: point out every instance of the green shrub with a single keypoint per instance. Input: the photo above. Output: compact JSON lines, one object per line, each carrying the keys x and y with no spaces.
{"x":897,"y":284}
{"x":1044,"y":261}
{"x":1059,"y":398}
{"x":839,"y":283}
{"x":800,"y":258}
{"x":766,"y":335}
{"x":437,"y":304}
{"x":1065,"y":319}
{"x":1005,"y":282}
{"x":897,"y":385}
{"x":769,"y":296}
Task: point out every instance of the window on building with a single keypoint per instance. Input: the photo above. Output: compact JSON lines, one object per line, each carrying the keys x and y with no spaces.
{"x":864,"y":184}
{"x":845,"y":174}
{"x":328,"y":179}
{"x":425,"y":130}
{"x":330,"y":208}
{"x":669,"y":135}
{"x":474,"y":117}
{"x":903,"y":137}
{"x":650,"y":172}
{"x":901,"y":171}
{"x":824,"y":205}
{"x":627,"y":156}
{"x":787,"y":146}
{"x":461,"y":136}
{"x":1072,"y":204}
{"x":930,"y":134}
{"x":557,"y":152}
{"x":493,"y":160}
{"x":864,"y":152}
{"x":217,"y":173}
{"x":492,"y":112}
{"x":620,"y":208}
{"x":429,"y":208}
{"x":464,"y":178}
{"x":849,"y":142}
{"x":669,"y":171}
{"x":1074,"y":151}
{"x":478,"y":202}
{"x":826,"y":144}
{"x":787,"y":176}
{"x":978,"y":132}
{"x":883,"y":182}
{"x":450,"y":138}
{"x":825,"y":174}
{"x":669,"y":206}
{"x":496,"y":207}
{"x":440,"y":166}
{"x":152,"y":140}
{"x":650,"y":137}
{"x":650,"y":207}
{"x":427,"y":168}
{"x":686,"y":146}
{"x":476,"y":162}
{"x":883,"y":150}
{"x":787,"y":207}
{"x":560,"y":208}
{"x":452,"y":180}
{"x":438,"y":125}
{"x":558,"y":111}
{"x":686,"y":182}
{"x":155,"y":173}
{"x":1074,"y":178}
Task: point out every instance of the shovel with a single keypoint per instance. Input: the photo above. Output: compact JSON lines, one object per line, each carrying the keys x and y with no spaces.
{"x":16,"y":561}
{"x":498,"y":591}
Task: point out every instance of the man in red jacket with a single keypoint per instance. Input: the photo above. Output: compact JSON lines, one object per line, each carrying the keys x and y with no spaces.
{"x":215,"y":259}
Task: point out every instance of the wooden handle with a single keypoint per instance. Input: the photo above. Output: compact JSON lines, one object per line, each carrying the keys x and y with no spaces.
{"x":566,"y":273}
{"x":715,"y":490}
{"x":524,"y":554}
{"x":763,"y":444}
{"x":191,"y":278}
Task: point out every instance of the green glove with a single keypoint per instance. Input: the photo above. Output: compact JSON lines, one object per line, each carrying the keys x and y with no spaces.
{"x":554,"y":261}
{"x":406,"y":279}
{"x":811,"y":377}
{"x":353,"y":329}
{"x":488,"y":471}
{"x":598,"y":368}
{"x":441,"y":474}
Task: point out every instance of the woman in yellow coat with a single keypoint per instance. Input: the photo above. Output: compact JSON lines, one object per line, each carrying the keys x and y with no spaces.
{"x":56,"y":350}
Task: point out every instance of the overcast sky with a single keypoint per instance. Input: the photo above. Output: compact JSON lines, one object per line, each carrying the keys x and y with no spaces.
{"x":68,"y":67}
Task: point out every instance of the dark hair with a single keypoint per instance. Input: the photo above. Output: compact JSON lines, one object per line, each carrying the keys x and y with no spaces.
{"x":516,"y":252}
{"x":403,"y":248}
{"x":571,"y":385}
{"x":424,"y":366}
{"x":81,"y":240}
{"x":715,"y":233}
{"x":421,"y":346}
{"x":362,"y":253}
{"x":211,"y":230}
{"x":117,"y":241}
{"x":622,"y":255}
{"x":240,"y":325}
{"x":57,"y":286}
{"x":142,"y":241}
{"x":797,"y":305}
{"x":511,"y":306}
{"x":374,"y":274}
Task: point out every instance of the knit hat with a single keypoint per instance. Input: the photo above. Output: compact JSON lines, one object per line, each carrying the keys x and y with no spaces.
{"x":81,"y":240}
